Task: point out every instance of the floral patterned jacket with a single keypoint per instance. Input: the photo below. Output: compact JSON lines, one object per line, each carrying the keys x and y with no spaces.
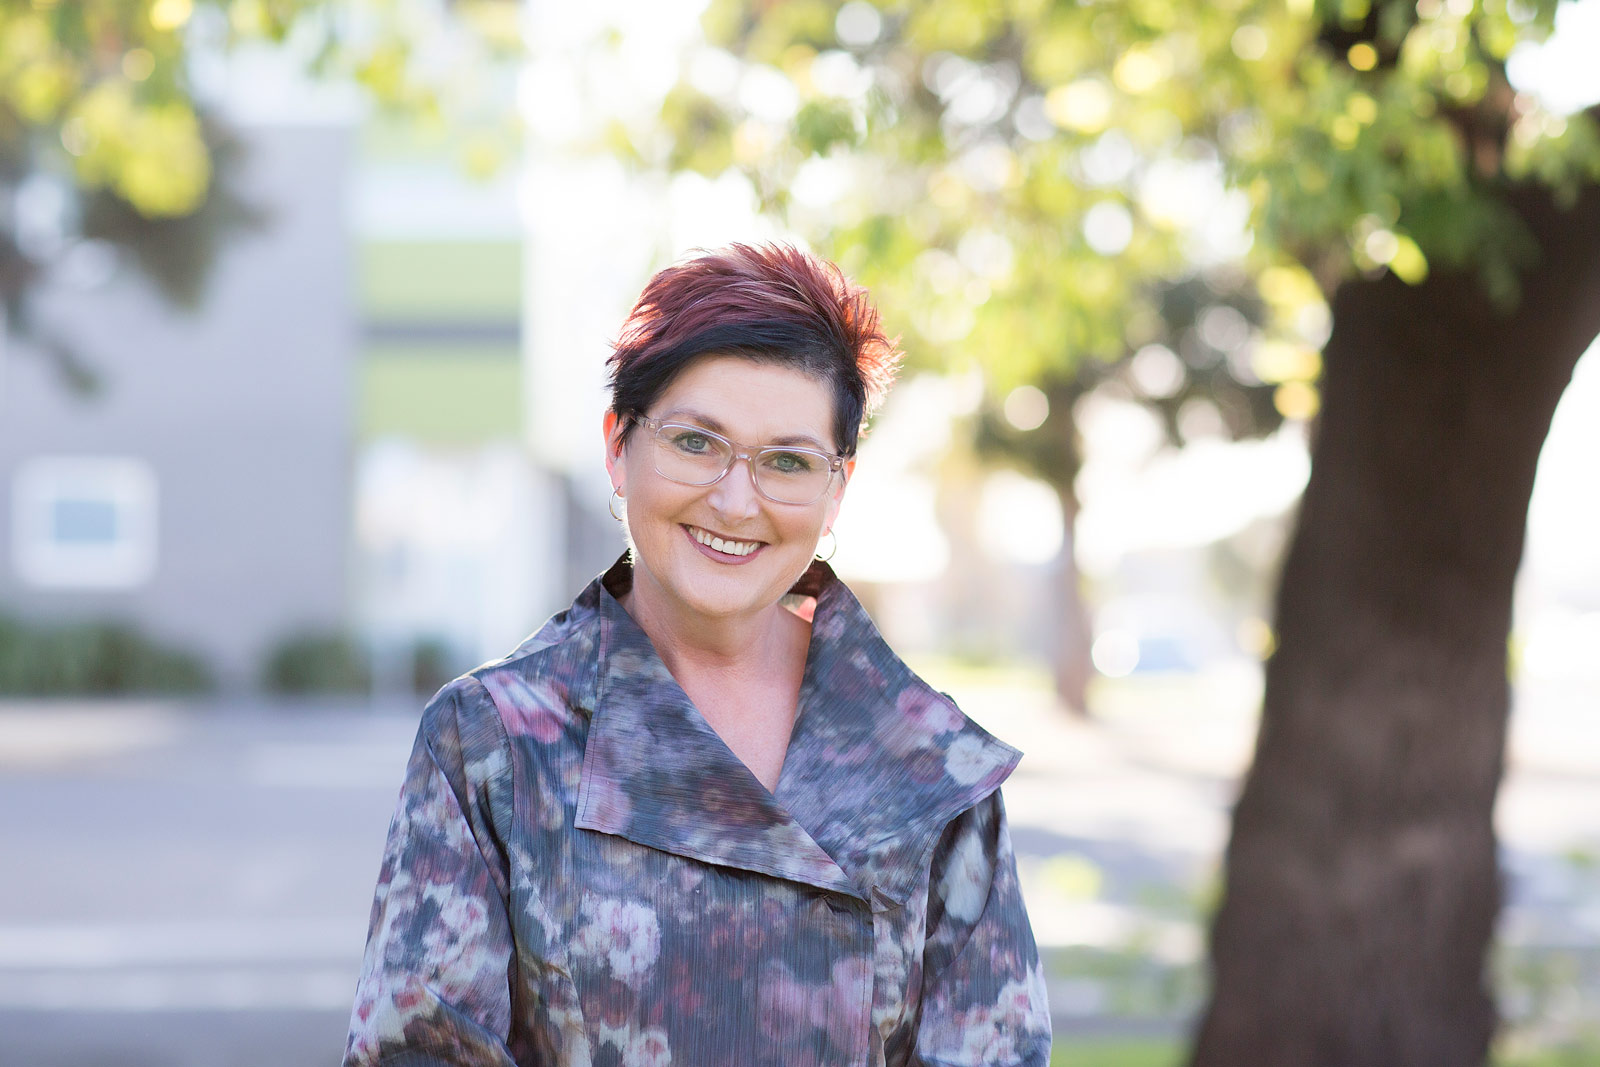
{"x":580,"y":872}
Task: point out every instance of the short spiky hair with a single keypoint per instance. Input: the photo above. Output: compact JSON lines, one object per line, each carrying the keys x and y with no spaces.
{"x":770,"y":303}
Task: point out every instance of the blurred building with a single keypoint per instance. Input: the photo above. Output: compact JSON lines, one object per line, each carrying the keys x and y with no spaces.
{"x":331,"y":444}
{"x":202,"y":493}
{"x":446,"y":529}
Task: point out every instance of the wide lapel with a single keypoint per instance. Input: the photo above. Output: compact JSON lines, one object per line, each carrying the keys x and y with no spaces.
{"x":655,"y":772}
{"x":879,"y":762}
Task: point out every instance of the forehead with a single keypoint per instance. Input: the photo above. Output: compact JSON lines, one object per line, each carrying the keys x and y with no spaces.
{"x":750,"y":400}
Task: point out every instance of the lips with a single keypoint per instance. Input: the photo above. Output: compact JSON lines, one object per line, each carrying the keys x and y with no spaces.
{"x":727,"y":546}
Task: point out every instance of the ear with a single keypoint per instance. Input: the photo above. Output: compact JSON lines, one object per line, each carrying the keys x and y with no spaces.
{"x":612,"y":427}
{"x":836,"y":497}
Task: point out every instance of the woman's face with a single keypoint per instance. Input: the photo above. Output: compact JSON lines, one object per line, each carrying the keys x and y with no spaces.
{"x":752,"y":404}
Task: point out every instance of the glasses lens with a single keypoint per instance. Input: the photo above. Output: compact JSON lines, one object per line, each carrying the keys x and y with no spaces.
{"x":690,"y":455}
{"x":792,"y":475}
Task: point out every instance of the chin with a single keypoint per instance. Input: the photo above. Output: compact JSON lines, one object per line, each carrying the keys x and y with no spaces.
{"x":724,"y":596}
{"x":716,"y":591}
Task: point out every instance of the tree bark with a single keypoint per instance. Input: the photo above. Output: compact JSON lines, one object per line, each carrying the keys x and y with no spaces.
{"x":1071,"y":664}
{"x":1362,"y":885}
{"x":1058,"y":457}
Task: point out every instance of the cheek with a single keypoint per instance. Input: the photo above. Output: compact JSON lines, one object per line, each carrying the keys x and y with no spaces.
{"x":655,"y":505}
{"x":636,"y":472}
{"x":803,"y":530}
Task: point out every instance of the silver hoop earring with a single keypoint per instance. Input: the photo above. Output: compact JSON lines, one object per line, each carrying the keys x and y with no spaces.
{"x":833,"y":546}
{"x":617,"y":505}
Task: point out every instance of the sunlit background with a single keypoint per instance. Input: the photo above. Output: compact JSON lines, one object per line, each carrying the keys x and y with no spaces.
{"x":367,"y":457}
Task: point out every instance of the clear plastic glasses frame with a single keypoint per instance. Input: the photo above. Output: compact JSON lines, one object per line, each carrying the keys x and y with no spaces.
{"x":784,"y":483}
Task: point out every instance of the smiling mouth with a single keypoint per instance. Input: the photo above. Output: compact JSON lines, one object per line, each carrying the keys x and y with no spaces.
{"x":720,"y":544}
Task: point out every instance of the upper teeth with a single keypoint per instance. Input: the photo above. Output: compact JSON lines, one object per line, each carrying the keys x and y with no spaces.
{"x":732,"y":548}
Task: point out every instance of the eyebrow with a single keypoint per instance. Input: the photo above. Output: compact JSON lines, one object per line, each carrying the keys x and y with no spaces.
{"x":716,"y":427}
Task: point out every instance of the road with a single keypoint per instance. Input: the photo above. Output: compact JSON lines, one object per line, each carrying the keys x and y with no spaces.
{"x":189,"y":885}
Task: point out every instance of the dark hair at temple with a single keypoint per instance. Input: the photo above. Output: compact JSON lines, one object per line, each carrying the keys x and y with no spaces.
{"x":771,"y":303}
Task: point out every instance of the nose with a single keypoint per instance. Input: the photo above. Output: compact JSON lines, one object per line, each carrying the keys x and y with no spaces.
{"x":734,"y":495}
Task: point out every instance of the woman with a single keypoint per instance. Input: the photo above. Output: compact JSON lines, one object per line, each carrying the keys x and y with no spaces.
{"x":705,"y":816}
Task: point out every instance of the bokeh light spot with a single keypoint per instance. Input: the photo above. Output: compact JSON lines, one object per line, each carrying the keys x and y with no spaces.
{"x":1249,"y":42}
{"x":1108,"y":227}
{"x":858,"y":24}
{"x":168,"y":15}
{"x":1115,"y":653}
{"x":1083,"y":105}
{"x":1297,"y":400}
{"x":138,"y":64}
{"x":1026,"y":407}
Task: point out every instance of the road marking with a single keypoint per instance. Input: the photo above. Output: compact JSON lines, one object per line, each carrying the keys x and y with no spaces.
{"x":188,"y":989}
{"x":57,"y":736}
{"x":89,"y":946}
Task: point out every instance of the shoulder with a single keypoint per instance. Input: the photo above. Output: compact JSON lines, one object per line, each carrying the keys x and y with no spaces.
{"x":529,"y":691}
{"x":541,"y":692}
{"x":459,"y":719}
{"x":542,"y":688}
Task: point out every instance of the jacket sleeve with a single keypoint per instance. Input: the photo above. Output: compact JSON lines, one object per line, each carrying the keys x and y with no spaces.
{"x":983,"y":991}
{"x":434,"y":987}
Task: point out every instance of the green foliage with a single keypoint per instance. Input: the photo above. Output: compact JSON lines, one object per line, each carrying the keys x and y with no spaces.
{"x":432,"y":665}
{"x":93,"y":659}
{"x":704,"y":141}
{"x":104,"y":144}
{"x":316,"y":662}
{"x":1023,"y":176}
{"x":1580,"y":1054}
{"x":1115,"y":1052}
{"x":103,"y":87}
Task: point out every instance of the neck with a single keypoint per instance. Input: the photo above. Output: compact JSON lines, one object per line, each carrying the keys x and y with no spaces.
{"x":689,"y":643}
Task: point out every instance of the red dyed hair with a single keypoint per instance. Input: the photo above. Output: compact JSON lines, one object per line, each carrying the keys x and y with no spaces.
{"x":772,"y":303}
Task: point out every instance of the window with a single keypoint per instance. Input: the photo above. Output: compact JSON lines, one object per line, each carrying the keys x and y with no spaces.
{"x":84,"y":522}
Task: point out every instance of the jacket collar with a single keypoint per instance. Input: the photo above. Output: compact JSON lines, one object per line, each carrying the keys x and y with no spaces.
{"x":877,"y":764}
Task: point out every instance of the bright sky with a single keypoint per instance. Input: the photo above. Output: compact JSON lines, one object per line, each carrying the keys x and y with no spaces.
{"x":1564,"y":517}
{"x":1562,"y":72}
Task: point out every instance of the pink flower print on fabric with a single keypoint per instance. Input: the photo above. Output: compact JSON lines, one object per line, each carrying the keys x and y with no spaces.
{"x":967,"y":760}
{"x":1018,"y":1005}
{"x":626,"y":933}
{"x":984,"y":1041}
{"x":461,"y":919}
{"x":932,"y":714}
{"x":855,"y":755}
{"x":840,"y":1005}
{"x":649,"y":1049}
{"x":527,"y":707}
{"x":790,"y":1010}
{"x":783,"y":1005}
{"x":965,"y":885}
{"x":608,"y":796}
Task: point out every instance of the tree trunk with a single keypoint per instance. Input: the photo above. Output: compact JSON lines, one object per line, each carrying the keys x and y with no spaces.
{"x":1071,"y":663}
{"x":1362,"y":886}
{"x":1055,"y":453}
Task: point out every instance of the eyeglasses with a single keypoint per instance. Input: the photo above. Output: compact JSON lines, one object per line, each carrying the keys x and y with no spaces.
{"x":692,"y":455}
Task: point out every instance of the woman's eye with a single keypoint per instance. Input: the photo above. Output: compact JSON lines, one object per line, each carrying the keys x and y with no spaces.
{"x":692,"y":442}
{"x":789,"y":462}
